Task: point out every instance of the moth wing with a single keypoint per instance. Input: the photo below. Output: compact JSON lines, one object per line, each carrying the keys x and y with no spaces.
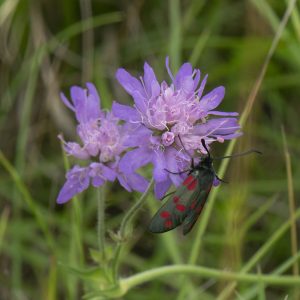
{"x":205,"y":181}
{"x":176,"y":208}
{"x":194,"y":212}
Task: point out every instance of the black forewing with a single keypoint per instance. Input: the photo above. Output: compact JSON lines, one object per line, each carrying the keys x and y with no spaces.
{"x":177,"y":207}
{"x":205,"y":181}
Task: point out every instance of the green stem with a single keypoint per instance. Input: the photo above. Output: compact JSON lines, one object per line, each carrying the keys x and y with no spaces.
{"x":101,"y":221}
{"x":246,"y":112}
{"x":123,"y":228}
{"x":175,"y":33}
{"x":261,"y":252}
{"x":140,"y":278}
{"x":26,"y":196}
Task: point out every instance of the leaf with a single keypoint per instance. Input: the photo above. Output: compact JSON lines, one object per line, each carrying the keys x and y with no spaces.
{"x":92,"y":274}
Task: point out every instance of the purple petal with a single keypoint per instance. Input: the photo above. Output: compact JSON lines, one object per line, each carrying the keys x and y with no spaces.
{"x":216,"y":181}
{"x":135,"y":159}
{"x":181,"y":76}
{"x":97,"y":181}
{"x":123,"y":182}
{"x":86,"y":103}
{"x":212,"y":99}
{"x":125,"y":112}
{"x":100,"y":173}
{"x":94,"y":93}
{"x":202,"y":86}
{"x":77,"y":181}
{"x":150,"y":81}
{"x":232,"y":136}
{"x":197,"y":79}
{"x":76,"y":150}
{"x":160,"y":188}
{"x":108,"y":173}
{"x":66,"y":101}
{"x":168,"y":69}
{"x":222,"y":113}
{"x":159,"y":166}
{"x":173,"y":166}
{"x":93,"y":103}
{"x":129,"y":83}
{"x":221,"y":126}
{"x":140,"y":101}
{"x":77,"y":94}
{"x":137,"y":135}
{"x":137,"y":182}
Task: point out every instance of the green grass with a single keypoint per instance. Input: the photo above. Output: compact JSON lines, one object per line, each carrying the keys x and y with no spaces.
{"x":245,"y":245}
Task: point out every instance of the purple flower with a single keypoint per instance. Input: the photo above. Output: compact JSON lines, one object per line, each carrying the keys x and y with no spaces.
{"x":167,"y":121}
{"x":102,"y":145}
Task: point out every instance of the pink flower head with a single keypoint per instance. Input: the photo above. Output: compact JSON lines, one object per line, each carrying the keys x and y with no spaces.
{"x":166,"y":118}
{"x":102,"y":144}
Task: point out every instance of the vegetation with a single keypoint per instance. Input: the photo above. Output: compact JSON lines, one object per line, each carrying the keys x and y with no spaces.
{"x":244,"y":246}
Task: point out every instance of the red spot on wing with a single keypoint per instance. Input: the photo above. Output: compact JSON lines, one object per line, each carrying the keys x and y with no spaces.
{"x":180,"y":207}
{"x":168,"y":224}
{"x":188,"y":180}
{"x":192,"y":185}
{"x":165,"y":214}
{"x":176,"y":199}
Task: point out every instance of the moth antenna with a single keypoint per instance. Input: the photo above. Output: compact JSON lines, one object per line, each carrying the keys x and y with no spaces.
{"x":205,"y":147}
{"x":184,"y":147}
{"x":239,"y":154}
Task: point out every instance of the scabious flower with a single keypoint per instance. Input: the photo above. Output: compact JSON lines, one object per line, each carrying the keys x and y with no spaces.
{"x":169,"y":118}
{"x":103,"y":142}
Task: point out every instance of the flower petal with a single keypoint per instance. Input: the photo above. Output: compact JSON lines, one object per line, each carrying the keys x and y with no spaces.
{"x":140,"y":101}
{"x":159,"y":166}
{"x":138,"y":135}
{"x":222,"y":113}
{"x":168,"y":69}
{"x":66,"y":101}
{"x":123,"y":182}
{"x":129,"y":83}
{"x":93,"y":103}
{"x":78,"y":96}
{"x":135,"y":159}
{"x":222,"y":126}
{"x":150,"y":81}
{"x":77,"y":181}
{"x":197,"y":79}
{"x":160,"y":188}
{"x":125,"y":112}
{"x":212,"y":99}
{"x":232,"y":136}
{"x":100,"y":173}
{"x":172,"y":158}
{"x":202,"y":86}
{"x":137,"y":182}
{"x":184,"y":73}
{"x":86,"y":103}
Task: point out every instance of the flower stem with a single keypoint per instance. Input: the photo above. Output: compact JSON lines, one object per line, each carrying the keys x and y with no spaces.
{"x":140,"y":278}
{"x":123,"y":228}
{"x":100,"y":224}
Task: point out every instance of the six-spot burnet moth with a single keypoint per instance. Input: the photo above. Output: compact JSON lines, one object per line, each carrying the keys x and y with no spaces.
{"x":185,"y":205}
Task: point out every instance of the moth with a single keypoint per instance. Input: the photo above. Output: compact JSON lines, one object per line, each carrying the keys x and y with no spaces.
{"x":185,"y":205}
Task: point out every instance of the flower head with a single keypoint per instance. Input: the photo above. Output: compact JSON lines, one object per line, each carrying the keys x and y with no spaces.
{"x":102,"y":144}
{"x":169,"y":118}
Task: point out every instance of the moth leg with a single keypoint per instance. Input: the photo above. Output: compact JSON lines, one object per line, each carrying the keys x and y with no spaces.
{"x":177,"y":173}
{"x":192,"y":163}
{"x":221,"y":179}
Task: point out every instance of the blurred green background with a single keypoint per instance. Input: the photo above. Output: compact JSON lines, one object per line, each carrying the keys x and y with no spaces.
{"x":47,"y":46}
